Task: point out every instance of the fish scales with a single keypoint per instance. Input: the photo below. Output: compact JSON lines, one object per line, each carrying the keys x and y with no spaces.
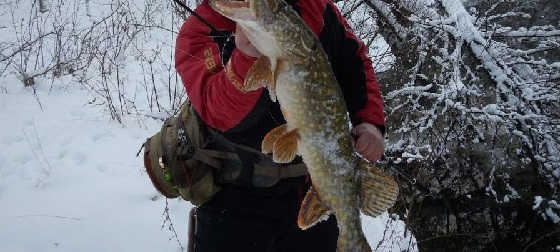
{"x":327,"y":151}
{"x":313,"y":103}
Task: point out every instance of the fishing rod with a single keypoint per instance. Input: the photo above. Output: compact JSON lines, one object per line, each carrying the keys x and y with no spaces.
{"x":196,"y":15}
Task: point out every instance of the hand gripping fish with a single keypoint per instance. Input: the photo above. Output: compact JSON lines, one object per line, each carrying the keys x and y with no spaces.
{"x":296,"y":71}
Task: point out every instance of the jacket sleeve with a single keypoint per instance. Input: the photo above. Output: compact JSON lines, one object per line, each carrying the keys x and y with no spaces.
{"x":348,"y":57}
{"x":372,"y":111}
{"x":211,"y":86}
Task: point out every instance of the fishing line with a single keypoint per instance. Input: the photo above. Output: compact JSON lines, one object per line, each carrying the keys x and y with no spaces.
{"x":196,"y":15}
{"x":219,"y":34}
{"x":412,"y":181}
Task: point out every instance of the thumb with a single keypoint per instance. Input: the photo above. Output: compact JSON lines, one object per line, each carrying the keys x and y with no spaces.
{"x":358,"y":130}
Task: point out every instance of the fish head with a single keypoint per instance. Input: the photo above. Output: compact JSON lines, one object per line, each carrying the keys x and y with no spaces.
{"x":270,"y":25}
{"x":263,"y":12}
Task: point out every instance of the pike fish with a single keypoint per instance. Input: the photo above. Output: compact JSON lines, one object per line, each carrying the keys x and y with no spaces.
{"x":297,"y":73}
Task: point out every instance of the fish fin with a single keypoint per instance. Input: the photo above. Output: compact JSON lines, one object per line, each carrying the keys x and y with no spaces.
{"x":272,"y":91}
{"x":378,"y":190}
{"x":272,"y":84}
{"x":271,"y":137}
{"x":259,"y":75}
{"x":312,"y":210}
{"x":285,"y":147}
{"x":284,"y":113}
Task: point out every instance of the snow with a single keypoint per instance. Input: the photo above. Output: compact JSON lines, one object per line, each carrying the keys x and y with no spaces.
{"x":70,"y":179}
{"x":552,"y":215}
{"x":538,"y":201}
{"x":69,"y":176}
{"x":549,"y":210}
{"x":386,"y":10}
{"x":532,"y":33}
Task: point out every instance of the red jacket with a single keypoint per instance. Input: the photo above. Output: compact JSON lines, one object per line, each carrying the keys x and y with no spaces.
{"x":201,"y":55}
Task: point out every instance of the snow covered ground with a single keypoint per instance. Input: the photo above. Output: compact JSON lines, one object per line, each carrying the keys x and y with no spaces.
{"x":69,"y":176}
{"x":70,"y":179}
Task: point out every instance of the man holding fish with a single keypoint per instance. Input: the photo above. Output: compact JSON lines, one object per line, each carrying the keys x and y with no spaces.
{"x":275,"y":44}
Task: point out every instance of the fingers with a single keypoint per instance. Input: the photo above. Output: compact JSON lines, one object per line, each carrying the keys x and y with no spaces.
{"x":362,"y":144}
{"x":358,"y":130}
{"x":370,"y":149}
{"x":369,"y":141}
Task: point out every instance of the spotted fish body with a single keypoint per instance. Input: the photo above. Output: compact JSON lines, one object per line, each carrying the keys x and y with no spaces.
{"x":309,"y":94}
{"x":313,"y":106}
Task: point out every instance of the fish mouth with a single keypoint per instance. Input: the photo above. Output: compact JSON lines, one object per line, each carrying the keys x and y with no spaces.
{"x":234,"y":10}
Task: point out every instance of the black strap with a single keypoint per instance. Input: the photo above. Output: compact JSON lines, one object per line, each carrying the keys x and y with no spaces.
{"x":281,"y":171}
{"x":192,"y":229}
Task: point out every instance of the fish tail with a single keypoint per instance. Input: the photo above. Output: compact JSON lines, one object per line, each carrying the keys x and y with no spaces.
{"x":352,"y":243}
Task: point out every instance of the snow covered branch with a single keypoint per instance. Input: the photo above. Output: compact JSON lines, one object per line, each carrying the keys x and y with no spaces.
{"x":477,"y":86}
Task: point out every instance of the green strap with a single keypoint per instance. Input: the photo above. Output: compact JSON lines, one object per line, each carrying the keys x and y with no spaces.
{"x":212,"y":157}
